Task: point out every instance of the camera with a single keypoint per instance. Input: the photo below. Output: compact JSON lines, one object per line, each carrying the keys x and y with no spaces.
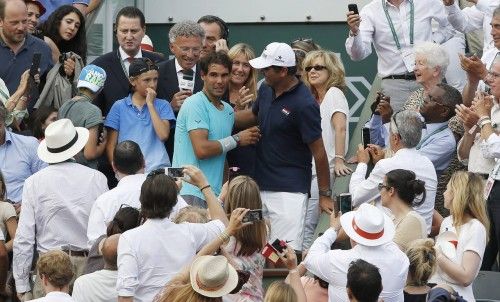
{"x":64,"y":56}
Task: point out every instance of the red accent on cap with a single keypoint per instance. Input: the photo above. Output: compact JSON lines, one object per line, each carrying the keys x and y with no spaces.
{"x":147,"y":47}
{"x":366,"y":235}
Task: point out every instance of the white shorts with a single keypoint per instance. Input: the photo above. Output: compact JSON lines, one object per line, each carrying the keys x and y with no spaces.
{"x":286,"y":212}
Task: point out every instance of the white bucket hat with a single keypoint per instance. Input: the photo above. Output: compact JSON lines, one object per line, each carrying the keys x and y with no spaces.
{"x":368,"y":225}
{"x":275,"y":54}
{"x":62,"y":141}
{"x":213,"y":276}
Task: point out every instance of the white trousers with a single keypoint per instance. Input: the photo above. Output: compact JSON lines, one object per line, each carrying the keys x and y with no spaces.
{"x":286,"y":212}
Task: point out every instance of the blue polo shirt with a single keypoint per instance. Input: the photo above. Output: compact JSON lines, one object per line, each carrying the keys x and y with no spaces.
{"x":288,"y":123}
{"x":18,"y":161}
{"x":13,"y":65}
{"x":135,"y":124}
{"x":198,"y":112}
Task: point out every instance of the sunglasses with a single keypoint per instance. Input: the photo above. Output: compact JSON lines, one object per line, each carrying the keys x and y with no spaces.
{"x":381,"y":186}
{"x":315,"y":67}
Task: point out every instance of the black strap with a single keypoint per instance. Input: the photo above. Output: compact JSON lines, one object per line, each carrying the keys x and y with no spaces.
{"x":65,"y":147}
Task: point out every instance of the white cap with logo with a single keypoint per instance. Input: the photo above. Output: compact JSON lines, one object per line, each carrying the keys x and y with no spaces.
{"x":275,"y":54}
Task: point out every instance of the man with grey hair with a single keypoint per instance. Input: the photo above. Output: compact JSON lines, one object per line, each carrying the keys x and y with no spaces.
{"x":177,"y":75}
{"x":180,"y":76}
{"x":405,"y":134}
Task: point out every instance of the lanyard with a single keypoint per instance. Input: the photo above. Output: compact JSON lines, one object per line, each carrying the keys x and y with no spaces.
{"x":391,"y":25}
{"x":426,"y":138}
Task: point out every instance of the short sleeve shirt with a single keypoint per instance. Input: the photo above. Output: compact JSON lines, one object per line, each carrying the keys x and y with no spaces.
{"x":135,"y":124}
{"x":82,"y":114}
{"x":288,"y":123}
{"x":198,"y":112}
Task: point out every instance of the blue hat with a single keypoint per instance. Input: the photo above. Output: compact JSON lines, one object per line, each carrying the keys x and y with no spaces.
{"x":92,"y":77}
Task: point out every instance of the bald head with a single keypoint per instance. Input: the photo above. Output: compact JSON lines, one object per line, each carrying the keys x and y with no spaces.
{"x":110,"y":251}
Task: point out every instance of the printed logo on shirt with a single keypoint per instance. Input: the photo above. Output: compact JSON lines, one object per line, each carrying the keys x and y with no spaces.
{"x":197,"y":121}
{"x":285,"y":111}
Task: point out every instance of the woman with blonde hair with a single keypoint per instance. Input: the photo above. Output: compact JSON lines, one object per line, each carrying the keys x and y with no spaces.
{"x":468,"y":219}
{"x":422,"y":256}
{"x":242,"y":93}
{"x":325,"y":76}
{"x":244,"y":248}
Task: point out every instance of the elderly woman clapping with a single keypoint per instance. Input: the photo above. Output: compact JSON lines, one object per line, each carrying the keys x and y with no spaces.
{"x":431,"y":61}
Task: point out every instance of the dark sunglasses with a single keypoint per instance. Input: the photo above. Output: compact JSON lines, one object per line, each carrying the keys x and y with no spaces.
{"x":381,"y":186}
{"x":315,"y":67}
{"x":305,"y":40}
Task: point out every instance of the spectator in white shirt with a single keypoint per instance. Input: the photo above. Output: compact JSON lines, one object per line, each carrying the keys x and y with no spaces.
{"x":472,"y":18}
{"x":150,"y":255}
{"x":394,"y":26}
{"x":476,"y":69}
{"x":55,"y":269}
{"x":364,"y":282}
{"x":405,"y":133}
{"x":370,"y":232}
{"x":56,"y":204}
{"x":100,"y":286}
{"x":128,"y":164}
{"x":125,"y":219}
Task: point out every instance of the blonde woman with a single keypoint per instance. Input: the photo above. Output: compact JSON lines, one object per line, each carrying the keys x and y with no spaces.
{"x":242,"y":92}
{"x":325,"y":76}
{"x":245,"y":246}
{"x":468,"y":219}
{"x":422,"y":256}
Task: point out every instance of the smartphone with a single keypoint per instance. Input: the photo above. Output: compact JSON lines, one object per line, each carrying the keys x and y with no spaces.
{"x":253,"y":215}
{"x":279,"y":246}
{"x":344,"y":202}
{"x":100,"y":129}
{"x":35,"y":63}
{"x":365,"y":136}
{"x":353,"y":8}
{"x":175,"y":172}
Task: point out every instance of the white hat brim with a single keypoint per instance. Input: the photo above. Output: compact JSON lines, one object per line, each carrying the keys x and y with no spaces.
{"x":259,"y":63}
{"x":232,"y":280}
{"x":52,"y":158}
{"x":389,"y":230}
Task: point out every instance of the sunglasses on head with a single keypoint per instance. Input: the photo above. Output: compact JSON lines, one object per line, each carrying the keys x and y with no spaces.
{"x":315,"y":67}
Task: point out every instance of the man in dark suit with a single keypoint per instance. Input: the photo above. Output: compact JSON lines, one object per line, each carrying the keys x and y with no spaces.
{"x":130,"y":29}
{"x":175,"y":82}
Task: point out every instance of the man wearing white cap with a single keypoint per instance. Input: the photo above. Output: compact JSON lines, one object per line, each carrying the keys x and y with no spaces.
{"x":290,"y":125}
{"x":371,"y":233}
{"x":56,"y":204}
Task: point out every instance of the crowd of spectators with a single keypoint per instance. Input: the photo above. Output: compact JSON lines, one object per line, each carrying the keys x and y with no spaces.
{"x":140,"y":178}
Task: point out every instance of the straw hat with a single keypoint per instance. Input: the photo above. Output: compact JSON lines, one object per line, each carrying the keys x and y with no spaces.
{"x":213,"y":276}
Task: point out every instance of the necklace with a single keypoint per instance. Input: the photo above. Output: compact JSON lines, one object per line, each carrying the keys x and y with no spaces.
{"x":218,"y":106}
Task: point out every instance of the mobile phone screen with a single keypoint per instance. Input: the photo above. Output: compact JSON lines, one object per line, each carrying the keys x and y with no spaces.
{"x":253,"y":215}
{"x":175,"y":172}
{"x":365,"y":137}
{"x":353,"y":8}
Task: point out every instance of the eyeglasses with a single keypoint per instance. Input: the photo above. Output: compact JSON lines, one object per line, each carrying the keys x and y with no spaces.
{"x":381,"y":186}
{"x":299,"y":53}
{"x":305,"y":40}
{"x":195,"y":50}
{"x":315,"y":67}
{"x":493,"y":75}
{"x":395,"y":131}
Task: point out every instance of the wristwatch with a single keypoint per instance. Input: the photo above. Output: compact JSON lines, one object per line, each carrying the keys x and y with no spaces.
{"x":236,"y":137}
{"x":327,"y":193}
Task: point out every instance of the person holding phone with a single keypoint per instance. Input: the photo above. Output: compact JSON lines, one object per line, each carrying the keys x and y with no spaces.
{"x":325,"y":76}
{"x":244,"y":248}
{"x":379,"y":23}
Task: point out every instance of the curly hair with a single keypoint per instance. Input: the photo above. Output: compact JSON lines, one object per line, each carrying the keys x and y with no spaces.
{"x":50,"y":28}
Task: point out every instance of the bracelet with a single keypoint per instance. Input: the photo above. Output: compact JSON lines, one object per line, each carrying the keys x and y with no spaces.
{"x":224,"y":237}
{"x":205,"y":187}
{"x":484,"y":122}
{"x":482,"y":118}
{"x":340,"y":157}
{"x":293,"y":271}
{"x":227,"y":144}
